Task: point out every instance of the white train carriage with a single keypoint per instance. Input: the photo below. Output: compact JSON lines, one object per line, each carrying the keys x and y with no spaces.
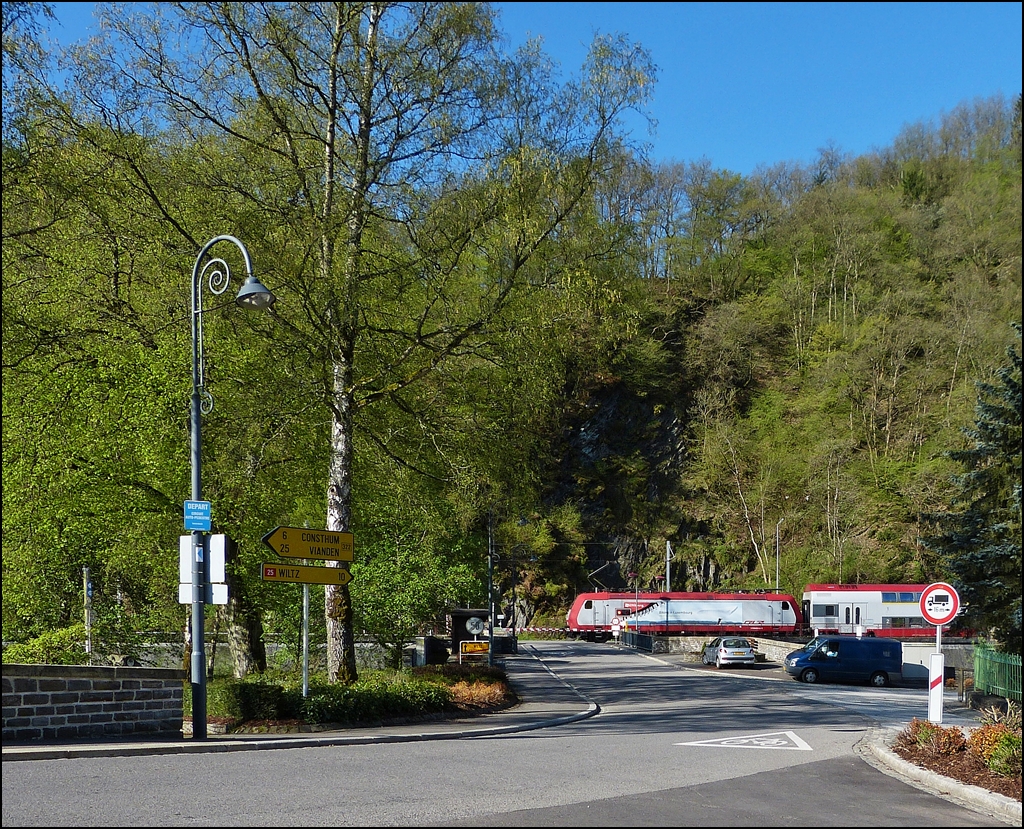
{"x":891,"y":610}
{"x":719,"y":613}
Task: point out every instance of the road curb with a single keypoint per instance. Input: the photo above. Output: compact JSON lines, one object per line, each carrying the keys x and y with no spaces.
{"x":874,"y":749}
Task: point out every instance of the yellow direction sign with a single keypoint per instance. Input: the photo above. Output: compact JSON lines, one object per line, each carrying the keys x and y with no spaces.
{"x":302,"y":542}
{"x":306,"y":575}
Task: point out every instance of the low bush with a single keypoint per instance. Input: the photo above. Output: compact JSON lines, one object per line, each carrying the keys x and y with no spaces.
{"x":932,"y":737}
{"x":998,"y":746}
{"x":994,"y":743}
{"x":1010,"y":716}
{"x":1006,"y":757}
{"x":59,"y":647}
{"x":454,"y":672}
{"x":919,"y":733}
{"x":949,"y":740}
{"x":381,"y":695}
{"x":376,"y":696}
{"x":984,"y":740}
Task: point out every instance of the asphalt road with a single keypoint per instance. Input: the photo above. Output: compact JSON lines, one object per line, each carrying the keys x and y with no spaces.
{"x":666,"y":744}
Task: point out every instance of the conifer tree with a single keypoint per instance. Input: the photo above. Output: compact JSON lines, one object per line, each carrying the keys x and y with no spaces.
{"x":980,"y":536}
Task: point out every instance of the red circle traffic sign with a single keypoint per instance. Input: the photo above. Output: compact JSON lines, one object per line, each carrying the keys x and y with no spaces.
{"x":939,"y":603}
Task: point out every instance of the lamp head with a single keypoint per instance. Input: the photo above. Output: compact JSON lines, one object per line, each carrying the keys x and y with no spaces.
{"x":254,"y":295}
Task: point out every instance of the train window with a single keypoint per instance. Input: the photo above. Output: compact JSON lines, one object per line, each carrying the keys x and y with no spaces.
{"x":917,"y":622}
{"x":785,"y":605}
{"x":588,"y":604}
{"x":824,"y":610}
{"x":856,"y":616}
{"x":894,"y":621}
{"x":910,"y":597}
{"x":847,"y":615}
{"x":890,"y":597}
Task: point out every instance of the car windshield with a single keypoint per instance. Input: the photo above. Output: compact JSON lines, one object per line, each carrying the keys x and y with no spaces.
{"x":813,"y":644}
{"x":735,"y":643}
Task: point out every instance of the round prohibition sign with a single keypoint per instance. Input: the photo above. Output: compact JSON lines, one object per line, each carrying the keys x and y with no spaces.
{"x":939,"y":603}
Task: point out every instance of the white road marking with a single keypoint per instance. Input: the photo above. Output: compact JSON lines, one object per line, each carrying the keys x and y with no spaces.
{"x":776,"y":740}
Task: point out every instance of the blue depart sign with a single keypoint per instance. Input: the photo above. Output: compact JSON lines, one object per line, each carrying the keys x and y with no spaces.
{"x":197,"y":516}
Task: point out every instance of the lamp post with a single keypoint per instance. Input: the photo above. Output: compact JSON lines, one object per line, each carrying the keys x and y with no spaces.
{"x":636,"y":607}
{"x":255,"y":296}
{"x":777,"y":554}
{"x":490,"y":588}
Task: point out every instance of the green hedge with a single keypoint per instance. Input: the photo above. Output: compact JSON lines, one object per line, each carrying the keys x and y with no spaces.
{"x":59,"y":647}
{"x":376,"y":696}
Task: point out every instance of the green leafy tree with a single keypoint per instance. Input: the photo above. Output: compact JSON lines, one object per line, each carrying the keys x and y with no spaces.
{"x":413,"y":175}
{"x":980,"y":537}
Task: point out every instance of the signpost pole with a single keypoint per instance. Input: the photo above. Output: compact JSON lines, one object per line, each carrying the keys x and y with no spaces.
{"x":939,"y":605}
{"x":305,"y":641}
{"x":936,"y":677}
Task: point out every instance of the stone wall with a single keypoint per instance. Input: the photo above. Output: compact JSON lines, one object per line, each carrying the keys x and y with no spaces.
{"x":81,"y":702}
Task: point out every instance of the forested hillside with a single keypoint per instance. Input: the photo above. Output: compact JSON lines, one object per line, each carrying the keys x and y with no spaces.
{"x":501,"y":332}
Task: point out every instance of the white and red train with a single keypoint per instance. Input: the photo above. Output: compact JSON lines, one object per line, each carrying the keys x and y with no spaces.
{"x":891,"y":610}
{"x":596,"y":615}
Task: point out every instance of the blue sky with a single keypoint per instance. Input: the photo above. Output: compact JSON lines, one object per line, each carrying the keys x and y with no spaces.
{"x":744,"y":84}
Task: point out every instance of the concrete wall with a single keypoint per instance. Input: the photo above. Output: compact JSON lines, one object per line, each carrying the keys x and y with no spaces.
{"x":691,"y":647}
{"x":60,"y":702}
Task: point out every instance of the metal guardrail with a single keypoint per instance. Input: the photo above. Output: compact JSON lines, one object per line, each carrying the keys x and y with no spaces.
{"x":640,"y":641}
{"x":996,"y":673}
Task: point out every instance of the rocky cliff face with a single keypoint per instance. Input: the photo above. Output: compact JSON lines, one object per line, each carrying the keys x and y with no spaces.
{"x":620,"y":460}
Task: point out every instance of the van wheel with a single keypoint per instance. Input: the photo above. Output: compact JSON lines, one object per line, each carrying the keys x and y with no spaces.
{"x":809,"y":676}
{"x":879,"y":679}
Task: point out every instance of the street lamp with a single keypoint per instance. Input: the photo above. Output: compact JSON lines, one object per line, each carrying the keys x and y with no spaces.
{"x":777,"y":554}
{"x":255,"y":296}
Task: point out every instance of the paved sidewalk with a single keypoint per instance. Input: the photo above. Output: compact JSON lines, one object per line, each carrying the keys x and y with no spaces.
{"x":547,"y":700}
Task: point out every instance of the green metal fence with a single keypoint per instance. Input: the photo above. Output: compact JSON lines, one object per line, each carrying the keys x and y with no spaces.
{"x":996,"y":673}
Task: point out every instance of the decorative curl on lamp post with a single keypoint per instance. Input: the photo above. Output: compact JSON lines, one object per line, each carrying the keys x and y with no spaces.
{"x":253,"y":295}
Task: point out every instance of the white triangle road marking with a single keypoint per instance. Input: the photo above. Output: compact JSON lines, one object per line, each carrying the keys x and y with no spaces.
{"x":777,"y":739}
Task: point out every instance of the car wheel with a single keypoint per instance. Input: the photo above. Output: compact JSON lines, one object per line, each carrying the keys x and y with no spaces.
{"x":879,"y":679}
{"x":809,"y":676}
{"x":718,"y":662}
{"x":704,"y":658}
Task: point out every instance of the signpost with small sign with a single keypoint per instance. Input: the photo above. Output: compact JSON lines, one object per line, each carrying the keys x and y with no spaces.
{"x":197,"y":516}
{"x":302,"y":542}
{"x":305,"y":575}
{"x":306,"y":543}
{"x":939,"y":605}
{"x":468,"y":647}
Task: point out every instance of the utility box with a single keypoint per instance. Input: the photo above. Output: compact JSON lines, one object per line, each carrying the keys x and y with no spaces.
{"x":430,"y":650}
{"x":505,"y":641}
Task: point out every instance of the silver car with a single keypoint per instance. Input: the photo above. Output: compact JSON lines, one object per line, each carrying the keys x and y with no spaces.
{"x":728,"y":650}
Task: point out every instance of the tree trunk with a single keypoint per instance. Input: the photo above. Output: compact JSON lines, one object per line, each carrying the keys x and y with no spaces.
{"x":244,"y":629}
